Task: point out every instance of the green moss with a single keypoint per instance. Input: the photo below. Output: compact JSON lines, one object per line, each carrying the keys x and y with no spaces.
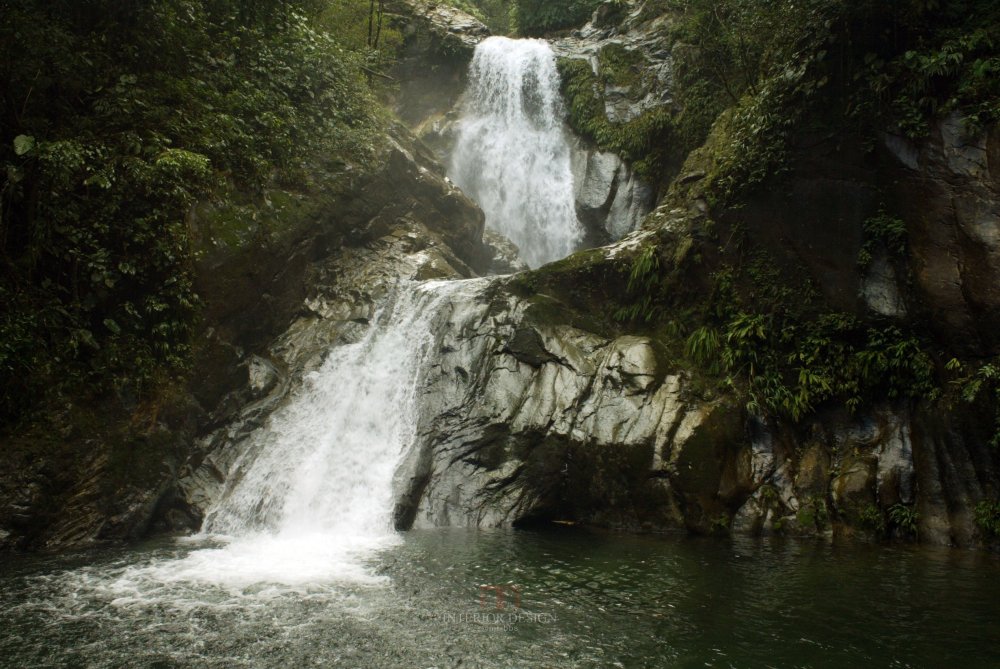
{"x":558,"y":273}
{"x":645,"y":141}
{"x":622,"y":67}
{"x":812,"y":515}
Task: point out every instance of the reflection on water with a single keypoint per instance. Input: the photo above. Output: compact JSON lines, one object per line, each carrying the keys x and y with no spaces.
{"x":587,"y":599}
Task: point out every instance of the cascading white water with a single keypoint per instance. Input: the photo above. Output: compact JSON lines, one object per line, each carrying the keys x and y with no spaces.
{"x":512,"y":155}
{"x":311,"y":497}
{"x":324,"y":463}
{"x":315,"y":484}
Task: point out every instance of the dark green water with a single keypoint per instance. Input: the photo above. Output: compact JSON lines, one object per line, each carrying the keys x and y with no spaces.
{"x":587,"y":600}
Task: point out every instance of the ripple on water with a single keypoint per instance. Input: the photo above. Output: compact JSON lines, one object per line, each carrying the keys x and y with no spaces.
{"x":599,"y":600}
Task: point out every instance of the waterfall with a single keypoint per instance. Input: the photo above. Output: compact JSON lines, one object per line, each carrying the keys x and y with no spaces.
{"x":511,"y":153}
{"x":312,"y":495}
{"x":325,"y":462}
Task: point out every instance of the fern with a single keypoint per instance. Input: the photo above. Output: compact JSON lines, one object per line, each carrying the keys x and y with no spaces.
{"x":643,"y":281}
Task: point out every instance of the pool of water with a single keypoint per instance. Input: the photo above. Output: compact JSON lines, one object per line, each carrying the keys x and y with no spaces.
{"x":453,"y":598}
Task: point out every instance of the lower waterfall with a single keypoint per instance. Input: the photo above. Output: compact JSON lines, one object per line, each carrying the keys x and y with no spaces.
{"x":512,"y":155}
{"x":324,"y":463}
{"x":311,"y":497}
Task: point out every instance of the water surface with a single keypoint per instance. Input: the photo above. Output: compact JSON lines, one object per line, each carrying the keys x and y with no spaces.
{"x":587,"y":599}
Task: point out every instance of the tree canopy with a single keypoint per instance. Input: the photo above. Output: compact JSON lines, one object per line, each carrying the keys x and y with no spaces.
{"x":115,"y":118}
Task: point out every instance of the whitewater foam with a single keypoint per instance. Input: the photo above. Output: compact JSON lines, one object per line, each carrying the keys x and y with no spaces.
{"x":512,"y":154}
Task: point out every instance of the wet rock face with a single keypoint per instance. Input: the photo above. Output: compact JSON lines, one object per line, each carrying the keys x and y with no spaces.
{"x":949,"y":193}
{"x":643,"y":40}
{"x":907,"y":474}
{"x":611,"y":200}
{"x":438,"y":42}
{"x":526,"y":415}
{"x":524,"y":419}
{"x":92,"y":480}
{"x":521,"y":416}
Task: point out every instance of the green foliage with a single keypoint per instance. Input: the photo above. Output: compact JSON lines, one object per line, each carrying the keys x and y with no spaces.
{"x":904,"y":518}
{"x":870,"y":516}
{"x":498,"y":15}
{"x":720,"y":524}
{"x":764,"y":333}
{"x":643,"y":141}
{"x":787,"y":356}
{"x":794,"y":368}
{"x":537,"y":17}
{"x":644,"y":274}
{"x":951,"y":65}
{"x":981,"y":384}
{"x":752,"y":78}
{"x":347,"y":21}
{"x":861,"y":66}
{"x":23,"y":144}
{"x":813,"y":514}
{"x":644,"y":277}
{"x":757,"y":134}
{"x":883,"y":231}
{"x":777,"y":347}
{"x":988,"y":518}
{"x":748,"y":56}
{"x":703,"y":347}
{"x":106,"y":151}
{"x":622,"y":67}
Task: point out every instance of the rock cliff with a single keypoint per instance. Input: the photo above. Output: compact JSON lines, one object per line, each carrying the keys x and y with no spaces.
{"x":541,"y":402}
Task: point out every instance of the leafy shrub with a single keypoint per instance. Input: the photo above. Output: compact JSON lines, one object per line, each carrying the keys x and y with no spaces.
{"x":882,"y":231}
{"x":643,"y":278}
{"x":537,"y":17}
{"x":904,"y":518}
{"x":988,"y":518}
{"x":703,"y":347}
{"x":870,"y":516}
{"x":773,"y":346}
{"x":104,"y":154}
{"x":981,"y":384}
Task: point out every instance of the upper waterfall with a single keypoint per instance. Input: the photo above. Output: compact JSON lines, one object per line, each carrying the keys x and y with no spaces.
{"x":512,"y":154}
